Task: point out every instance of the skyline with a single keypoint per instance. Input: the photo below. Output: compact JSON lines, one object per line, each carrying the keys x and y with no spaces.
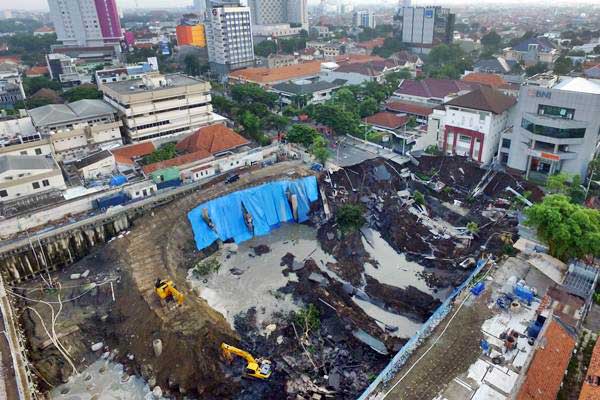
{"x":42,"y":5}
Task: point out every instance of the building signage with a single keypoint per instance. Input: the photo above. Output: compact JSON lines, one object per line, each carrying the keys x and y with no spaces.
{"x":539,"y":94}
{"x":428,"y":13}
{"x":550,"y":156}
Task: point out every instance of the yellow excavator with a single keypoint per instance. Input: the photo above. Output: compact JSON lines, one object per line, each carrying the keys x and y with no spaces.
{"x":166,"y":290}
{"x":257,"y":368}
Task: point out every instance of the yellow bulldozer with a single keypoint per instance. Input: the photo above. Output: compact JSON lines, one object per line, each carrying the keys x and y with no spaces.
{"x":256,"y":368}
{"x":166,"y":290}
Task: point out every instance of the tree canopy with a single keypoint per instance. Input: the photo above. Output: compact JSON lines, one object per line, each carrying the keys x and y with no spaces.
{"x":447,"y":61}
{"x":249,"y":93}
{"x":302,"y":134}
{"x":570,"y":230}
{"x":265,"y":48}
{"x":82,"y":92}
{"x":350,"y":218}
{"x":32,"y":85}
{"x":491,"y":41}
{"x":563,"y":65}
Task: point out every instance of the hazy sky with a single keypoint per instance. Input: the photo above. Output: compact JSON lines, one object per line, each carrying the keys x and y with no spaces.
{"x":43,"y":5}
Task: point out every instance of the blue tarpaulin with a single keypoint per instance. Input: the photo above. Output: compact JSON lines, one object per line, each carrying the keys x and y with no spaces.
{"x":118,"y":180}
{"x":268,"y":204}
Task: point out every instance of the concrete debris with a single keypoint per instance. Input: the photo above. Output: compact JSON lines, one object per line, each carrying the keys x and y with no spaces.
{"x":97,"y":346}
{"x":318,"y":278}
{"x":75,"y":276}
{"x":157,"y":392}
{"x":85,"y":274}
{"x":157,"y":347}
{"x":236,"y":271}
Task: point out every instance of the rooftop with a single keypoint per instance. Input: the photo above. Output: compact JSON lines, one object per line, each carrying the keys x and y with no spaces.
{"x":262,"y":75}
{"x":177,"y":161}
{"x":307,"y":87}
{"x":126,"y":154}
{"x":92,"y":159}
{"x":12,"y":163}
{"x":387,"y":120}
{"x":484,"y":99}
{"x":212,"y":139}
{"x":432,"y":88}
{"x":169,"y":81}
{"x":548,"y":366}
{"x":492,"y":80}
{"x":369,"y":68}
{"x":408,"y":108}
{"x":53,"y":114}
{"x":591,"y":386}
{"x":544,"y":44}
{"x":580,"y":85}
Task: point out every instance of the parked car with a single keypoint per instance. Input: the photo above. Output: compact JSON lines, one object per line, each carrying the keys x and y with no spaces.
{"x":232,"y":178}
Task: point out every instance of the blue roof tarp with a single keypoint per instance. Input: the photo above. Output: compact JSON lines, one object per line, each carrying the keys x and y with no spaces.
{"x":268,"y":204}
{"x":118,"y":180}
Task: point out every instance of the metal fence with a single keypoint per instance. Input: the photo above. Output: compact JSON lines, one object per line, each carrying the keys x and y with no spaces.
{"x":423,"y":333}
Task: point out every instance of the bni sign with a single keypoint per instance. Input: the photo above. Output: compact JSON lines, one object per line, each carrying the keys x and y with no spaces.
{"x":539,"y":93}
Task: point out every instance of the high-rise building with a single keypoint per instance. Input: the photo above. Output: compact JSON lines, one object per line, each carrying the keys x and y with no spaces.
{"x":275,"y":12}
{"x":229,"y":37}
{"x":190,"y":32}
{"x":200,"y":6}
{"x":425,"y":27}
{"x":86,"y":22}
{"x":555,"y":127}
{"x":364,"y":19}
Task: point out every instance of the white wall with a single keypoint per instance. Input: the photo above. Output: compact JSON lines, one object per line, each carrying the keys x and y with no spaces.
{"x":103,"y":167}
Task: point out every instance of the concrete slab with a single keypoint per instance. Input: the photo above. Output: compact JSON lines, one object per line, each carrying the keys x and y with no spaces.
{"x":487,"y":393}
{"x":504,"y":382}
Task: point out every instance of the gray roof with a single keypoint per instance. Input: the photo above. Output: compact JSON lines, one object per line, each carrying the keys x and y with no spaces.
{"x":307,"y":88}
{"x":54,"y":114}
{"x":137,"y":86}
{"x":92,"y":159}
{"x":11,"y":163}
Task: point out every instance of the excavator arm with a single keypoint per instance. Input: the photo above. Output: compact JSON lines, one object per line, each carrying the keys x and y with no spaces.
{"x":166,"y":290}
{"x":260,"y":368}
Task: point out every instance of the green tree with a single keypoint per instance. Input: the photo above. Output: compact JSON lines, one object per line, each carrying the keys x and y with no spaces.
{"x":563,"y":65}
{"x":557,"y":183}
{"x":302,"y":134}
{"x":249,"y":93}
{"x":191,"y":65}
{"x":291,"y":45}
{"x":491,"y":40}
{"x":82,"y":92}
{"x":265,"y":48}
{"x":32,"y":85}
{"x":473,"y":228}
{"x":350,"y":218}
{"x":368,"y":106}
{"x":276,"y":121}
{"x":570,"y":230}
{"x":319,"y":149}
{"x":165,"y":152}
{"x":223,"y":105}
{"x":538,"y":68}
{"x":251,"y":124}
{"x":389,"y":47}
{"x":419,"y":197}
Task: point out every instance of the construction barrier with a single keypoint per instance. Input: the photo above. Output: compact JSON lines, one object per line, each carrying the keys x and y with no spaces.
{"x":423,"y":333}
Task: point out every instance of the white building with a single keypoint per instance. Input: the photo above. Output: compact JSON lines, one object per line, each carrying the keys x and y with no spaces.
{"x":274,"y":12}
{"x":22,"y":176}
{"x":86,"y":22}
{"x":471,"y":125}
{"x":78,"y":129}
{"x":159,"y":106}
{"x":127,"y":72}
{"x":425,"y":27}
{"x":97,"y":165}
{"x":11,"y":86}
{"x":229,"y":38}
{"x":364,"y":19}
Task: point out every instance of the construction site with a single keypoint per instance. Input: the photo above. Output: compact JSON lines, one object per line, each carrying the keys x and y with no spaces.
{"x":261,"y":268}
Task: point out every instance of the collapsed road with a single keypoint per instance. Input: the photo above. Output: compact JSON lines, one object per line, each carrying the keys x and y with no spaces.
{"x":329,"y":309}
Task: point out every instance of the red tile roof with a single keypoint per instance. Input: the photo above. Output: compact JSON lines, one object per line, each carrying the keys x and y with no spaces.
{"x":547,"y":369}
{"x":177,"y":161}
{"x":265,"y":76}
{"x":387,"y":120}
{"x":492,"y":80}
{"x":44,"y":29}
{"x":37,"y":70}
{"x":356,"y":58}
{"x":133,"y":151}
{"x":371,"y":44}
{"x":591,"y":386}
{"x":10,"y":59}
{"x":213,"y":139}
{"x":408,"y":108}
{"x":433,"y":88}
{"x":485,"y":99}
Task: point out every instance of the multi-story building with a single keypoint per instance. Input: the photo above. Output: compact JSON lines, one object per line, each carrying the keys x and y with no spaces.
{"x":159,"y":106}
{"x":190,"y":32}
{"x":64,"y":69}
{"x":229,"y":37}
{"x":86,"y":22}
{"x":363,"y":19}
{"x":471,"y":125}
{"x":275,"y":12}
{"x":425,"y":27}
{"x":532,"y":50}
{"x":127,"y":72}
{"x":78,"y":129}
{"x":555,"y":128}
{"x":11,"y":86}
{"x":22,"y":176}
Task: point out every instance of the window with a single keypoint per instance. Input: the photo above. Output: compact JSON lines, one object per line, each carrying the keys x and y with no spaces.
{"x":38,"y":151}
{"x":24,"y":153}
{"x":3,"y":193}
{"x":566,"y":133}
{"x":506,"y":143}
{"x":36,"y":185}
{"x":553,"y":111}
{"x":45,"y":182}
{"x":464,"y":139}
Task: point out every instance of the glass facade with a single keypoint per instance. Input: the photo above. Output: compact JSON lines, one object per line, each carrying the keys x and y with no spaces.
{"x":559,"y":133}
{"x":557,"y":112}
